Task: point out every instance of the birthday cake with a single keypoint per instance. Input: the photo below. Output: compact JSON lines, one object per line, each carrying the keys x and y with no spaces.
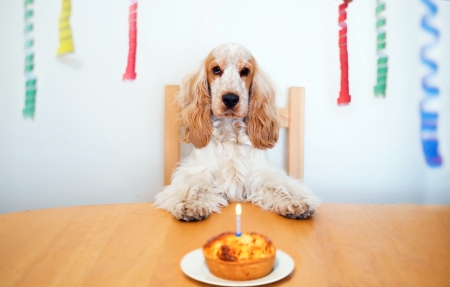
{"x":246,"y":257}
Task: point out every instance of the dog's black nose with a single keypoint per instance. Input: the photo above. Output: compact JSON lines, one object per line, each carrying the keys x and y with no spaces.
{"x":230,"y":100}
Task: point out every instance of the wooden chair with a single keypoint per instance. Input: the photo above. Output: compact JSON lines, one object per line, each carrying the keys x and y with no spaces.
{"x":291,"y":118}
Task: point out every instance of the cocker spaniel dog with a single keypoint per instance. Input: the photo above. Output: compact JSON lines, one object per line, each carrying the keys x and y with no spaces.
{"x":228,"y":113}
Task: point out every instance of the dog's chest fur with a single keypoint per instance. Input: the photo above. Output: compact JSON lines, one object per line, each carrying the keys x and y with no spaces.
{"x":230,"y":157}
{"x":230,"y":133}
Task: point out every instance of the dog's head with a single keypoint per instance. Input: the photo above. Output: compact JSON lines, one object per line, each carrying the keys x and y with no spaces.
{"x":229,"y":84}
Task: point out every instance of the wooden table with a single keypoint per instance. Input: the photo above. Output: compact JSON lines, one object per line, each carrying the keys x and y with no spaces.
{"x":139,"y":245}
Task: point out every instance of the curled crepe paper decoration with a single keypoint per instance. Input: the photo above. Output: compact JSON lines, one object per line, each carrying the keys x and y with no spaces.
{"x":130,"y":73}
{"x":344,"y":95}
{"x":428,"y":105}
{"x":65,"y":31}
{"x":30,"y":78}
{"x":382,"y":62}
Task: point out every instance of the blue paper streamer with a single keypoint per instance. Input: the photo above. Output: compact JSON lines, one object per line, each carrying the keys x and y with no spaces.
{"x":429,"y":116}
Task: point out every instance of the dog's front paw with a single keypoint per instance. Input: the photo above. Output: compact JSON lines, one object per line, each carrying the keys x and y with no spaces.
{"x":298,"y":209}
{"x":191,"y":210}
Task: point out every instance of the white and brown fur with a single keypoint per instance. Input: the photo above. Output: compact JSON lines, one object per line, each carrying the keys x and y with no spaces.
{"x":230,"y":162}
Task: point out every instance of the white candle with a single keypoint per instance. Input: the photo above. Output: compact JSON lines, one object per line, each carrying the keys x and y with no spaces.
{"x":238,"y":219}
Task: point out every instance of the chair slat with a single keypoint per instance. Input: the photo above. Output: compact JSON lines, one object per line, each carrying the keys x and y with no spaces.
{"x":284,"y":117}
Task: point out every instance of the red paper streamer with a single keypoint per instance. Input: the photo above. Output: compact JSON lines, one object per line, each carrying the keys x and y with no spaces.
{"x":130,"y":73}
{"x":344,"y":95}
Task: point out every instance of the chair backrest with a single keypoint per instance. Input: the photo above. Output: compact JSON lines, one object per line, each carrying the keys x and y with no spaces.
{"x":291,"y":118}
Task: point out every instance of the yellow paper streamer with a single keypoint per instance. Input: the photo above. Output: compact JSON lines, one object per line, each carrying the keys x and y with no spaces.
{"x":65,"y":31}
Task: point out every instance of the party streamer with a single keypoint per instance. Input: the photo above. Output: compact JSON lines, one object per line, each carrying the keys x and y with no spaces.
{"x":30,"y":84}
{"x":428,"y":107}
{"x":382,"y":62}
{"x":344,"y":96}
{"x":130,"y":73}
{"x":65,"y":31}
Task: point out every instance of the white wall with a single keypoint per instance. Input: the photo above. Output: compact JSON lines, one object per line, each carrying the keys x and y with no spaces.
{"x":97,"y":140}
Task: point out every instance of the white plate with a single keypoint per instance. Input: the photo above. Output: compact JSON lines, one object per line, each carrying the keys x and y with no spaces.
{"x":193,"y":265}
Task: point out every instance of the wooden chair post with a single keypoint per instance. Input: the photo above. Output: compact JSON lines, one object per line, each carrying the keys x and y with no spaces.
{"x":292,"y":119}
{"x":296,"y":132}
{"x":171,"y":132}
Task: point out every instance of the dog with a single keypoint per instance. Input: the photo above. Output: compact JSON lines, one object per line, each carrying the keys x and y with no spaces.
{"x":228,"y":112}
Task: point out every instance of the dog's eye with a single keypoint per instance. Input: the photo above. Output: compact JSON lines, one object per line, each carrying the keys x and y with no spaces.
{"x":216,"y":70}
{"x":245,"y":72}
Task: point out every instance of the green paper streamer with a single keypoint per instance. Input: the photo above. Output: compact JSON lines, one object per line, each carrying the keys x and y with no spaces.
{"x":30,"y":83}
{"x":382,"y":62}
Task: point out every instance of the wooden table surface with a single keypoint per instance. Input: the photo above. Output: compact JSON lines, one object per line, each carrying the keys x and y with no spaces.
{"x":139,"y":245}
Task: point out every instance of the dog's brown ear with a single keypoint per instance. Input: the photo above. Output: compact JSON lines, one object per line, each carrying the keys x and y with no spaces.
{"x":195,"y":113}
{"x":263,"y":122}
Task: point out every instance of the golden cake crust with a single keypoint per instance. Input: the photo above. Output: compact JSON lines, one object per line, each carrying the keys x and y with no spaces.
{"x":246,"y":257}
